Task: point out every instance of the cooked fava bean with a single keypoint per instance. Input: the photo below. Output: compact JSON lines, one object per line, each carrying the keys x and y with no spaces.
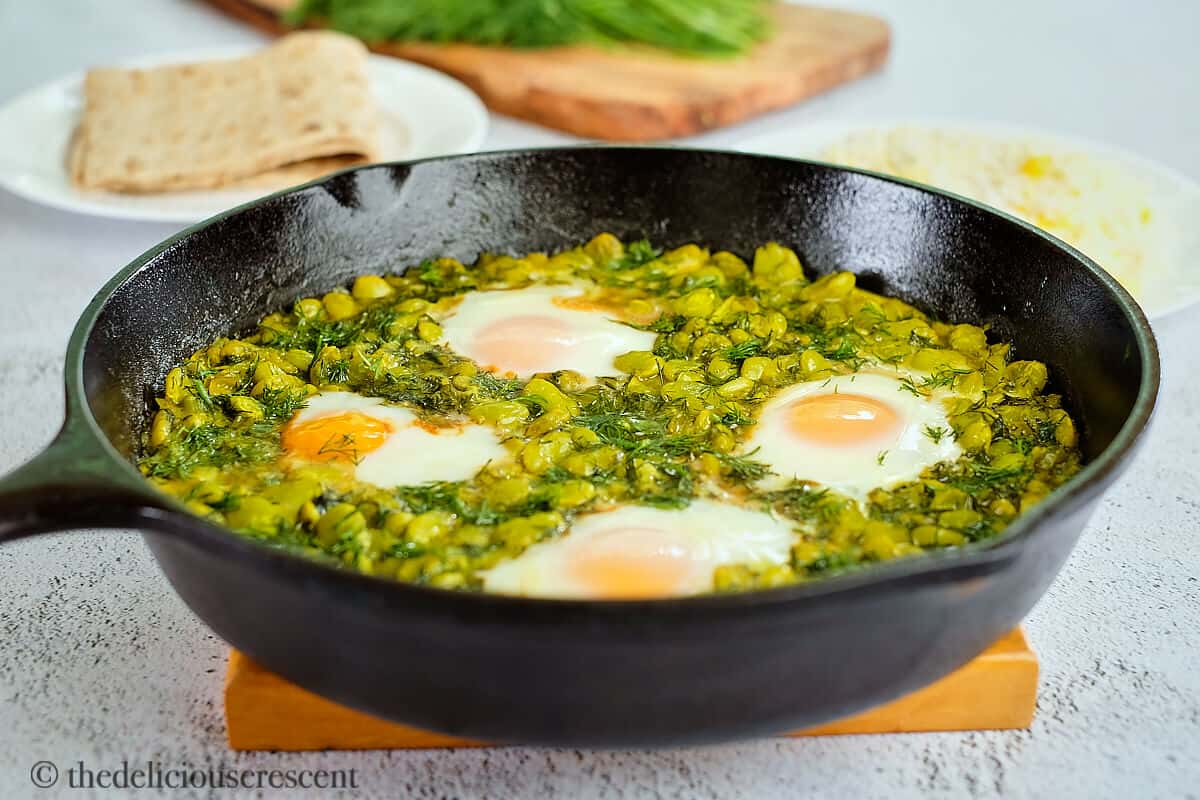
{"x":667,"y":426}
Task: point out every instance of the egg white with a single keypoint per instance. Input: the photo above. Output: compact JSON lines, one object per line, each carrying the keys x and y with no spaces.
{"x":412,"y":454}
{"x":855,"y":470}
{"x":704,"y":535}
{"x":596,"y":338}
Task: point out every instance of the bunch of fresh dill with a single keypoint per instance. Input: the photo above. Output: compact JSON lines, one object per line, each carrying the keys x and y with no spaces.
{"x":711,"y":28}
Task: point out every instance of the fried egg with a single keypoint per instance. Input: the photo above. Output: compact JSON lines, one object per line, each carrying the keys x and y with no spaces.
{"x":520,"y":332}
{"x":641,"y":552}
{"x":384,"y":444}
{"x":852,"y":433}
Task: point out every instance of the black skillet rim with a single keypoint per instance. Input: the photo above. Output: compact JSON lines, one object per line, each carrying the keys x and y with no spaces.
{"x":980,"y":555}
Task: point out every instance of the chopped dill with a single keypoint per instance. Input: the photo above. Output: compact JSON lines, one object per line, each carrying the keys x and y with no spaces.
{"x":742,"y":351}
{"x":744,"y":468}
{"x":937,"y":380}
{"x":934,"y":433}
{"x":805,"y":502}
{"x":944,"y":378}
{"x":641,"y":436}
{"x":874,"y":312}
{"x":667,"y":323}
{"x":281,"y":404}
{"x":975,"y":476}
{"x":499,"y":388}
{"x":341,"y":444}
{"x":202,"y":394}
{"x":450,"y":497}
{"x":338,"y":371}
{"x":209,"y":445}
{"x":431,"y":274}
{"x":637,"y":254}
{"x":844,"y":351}
{"x":736,"y":418}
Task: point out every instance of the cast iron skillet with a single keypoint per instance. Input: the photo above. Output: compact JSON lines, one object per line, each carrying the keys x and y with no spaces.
{"x":592,"y":673}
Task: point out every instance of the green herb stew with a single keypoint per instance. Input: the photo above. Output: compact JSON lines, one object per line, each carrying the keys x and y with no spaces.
{"x":613,"y":421}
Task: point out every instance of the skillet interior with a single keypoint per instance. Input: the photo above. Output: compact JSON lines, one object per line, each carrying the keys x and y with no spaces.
{"x":955,"y":260}
{"x":579,"y":673}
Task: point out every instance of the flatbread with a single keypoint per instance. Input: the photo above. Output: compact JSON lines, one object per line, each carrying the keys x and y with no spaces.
{"x":294,"y":106}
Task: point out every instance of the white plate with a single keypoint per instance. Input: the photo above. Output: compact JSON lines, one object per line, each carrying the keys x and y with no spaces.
{"x":425,"y":113}
{"x":1170,"y":286}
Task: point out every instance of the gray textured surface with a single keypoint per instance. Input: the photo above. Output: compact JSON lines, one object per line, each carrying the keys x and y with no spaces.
{"x":100,"y":662}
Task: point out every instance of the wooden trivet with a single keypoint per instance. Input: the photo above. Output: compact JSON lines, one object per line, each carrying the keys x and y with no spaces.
{"x":264,"y":712}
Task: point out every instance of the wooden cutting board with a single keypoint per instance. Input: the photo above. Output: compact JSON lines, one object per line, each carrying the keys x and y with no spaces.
{"x":637,"y":94}
{"x":264,"y":712}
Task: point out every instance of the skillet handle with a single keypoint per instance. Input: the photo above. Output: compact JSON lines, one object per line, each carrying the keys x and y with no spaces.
{"x":75,"y":483}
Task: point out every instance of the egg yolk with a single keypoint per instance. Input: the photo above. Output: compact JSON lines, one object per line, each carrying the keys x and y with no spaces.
{"x":344,"y":437}
{"x":631,"y":563}
{"x":839,"y":420}
{"x":524,"y":344}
